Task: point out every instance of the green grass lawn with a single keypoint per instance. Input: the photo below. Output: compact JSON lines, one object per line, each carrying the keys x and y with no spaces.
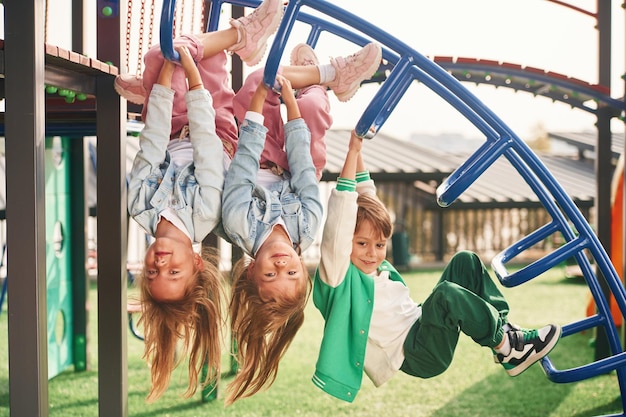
{"x":472,"y":386}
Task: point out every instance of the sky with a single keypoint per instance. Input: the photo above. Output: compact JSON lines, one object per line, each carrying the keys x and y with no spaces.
{"x":537,"y":33}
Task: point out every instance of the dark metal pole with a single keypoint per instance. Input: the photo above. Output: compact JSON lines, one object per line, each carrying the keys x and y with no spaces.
{"x":25,"y":188}
{"x":80,"y":284}
{"x":112,"y":220}
{"x":603,"y":168}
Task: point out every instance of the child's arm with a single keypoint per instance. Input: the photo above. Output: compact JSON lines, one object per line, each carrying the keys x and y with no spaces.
{"x":207,"y":148}
{"x":360,"y":165}
{"x":336,"y":245}
{"x":303,"y":174}
{"x":240,"y":181}
{"x":354,"y":160}
{"x":364,"y":185}
{"x":194,"y":81}
{"x":258,"y":98}
{"x":297,"y":144}
{"x":165,"y":75}
{"x":153,"y":139}
{"x":293,"y":111}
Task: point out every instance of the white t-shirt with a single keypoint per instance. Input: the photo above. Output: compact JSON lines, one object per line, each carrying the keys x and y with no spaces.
{"x":181,"y":153}
{"x":393,"y":316}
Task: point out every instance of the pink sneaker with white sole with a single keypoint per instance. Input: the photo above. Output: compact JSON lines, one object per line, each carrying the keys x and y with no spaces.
{"x":130,"y":87}
{"x":352,"y":70}
{"x":302,"y":54}
{"x":255,"y":29}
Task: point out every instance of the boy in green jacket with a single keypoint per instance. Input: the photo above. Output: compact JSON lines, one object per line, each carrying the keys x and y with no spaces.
{"x":373,"y":325}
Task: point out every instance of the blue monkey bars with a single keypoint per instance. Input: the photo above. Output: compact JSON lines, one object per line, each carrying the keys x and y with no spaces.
{"x":407,"y":65}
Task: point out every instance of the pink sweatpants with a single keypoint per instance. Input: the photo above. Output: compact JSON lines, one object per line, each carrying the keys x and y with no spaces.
{"x":215,"y":78}
{"x":314,"y":108}
{"x":312,"y":101}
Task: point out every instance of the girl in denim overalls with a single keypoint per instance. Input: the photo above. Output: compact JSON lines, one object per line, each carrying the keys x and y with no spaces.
{"x":175,"y":191}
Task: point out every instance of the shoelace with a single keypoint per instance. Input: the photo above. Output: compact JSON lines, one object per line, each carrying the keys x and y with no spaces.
{"x":530,"y":334}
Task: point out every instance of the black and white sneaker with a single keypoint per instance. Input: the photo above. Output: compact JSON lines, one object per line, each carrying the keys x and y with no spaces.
{"x":527,"y":347}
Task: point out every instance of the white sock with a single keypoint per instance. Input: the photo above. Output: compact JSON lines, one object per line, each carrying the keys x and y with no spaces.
{"x":327,"y":73}
{"x":505,"y":349}
{"x":237,"y":25}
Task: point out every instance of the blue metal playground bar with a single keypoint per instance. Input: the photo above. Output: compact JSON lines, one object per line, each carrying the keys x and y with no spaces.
{"x":407,"y":66}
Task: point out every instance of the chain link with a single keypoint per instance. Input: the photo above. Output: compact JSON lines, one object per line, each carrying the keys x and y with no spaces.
{"x":204,"y":22}
{"x":193,"y":17}
{"x":45,"y":33}
{"x":141,"y":31}
{"x":150,"y":33}
{"x":179,"y":24}
{"x":177,"y":20}
{"x":128,"y":19}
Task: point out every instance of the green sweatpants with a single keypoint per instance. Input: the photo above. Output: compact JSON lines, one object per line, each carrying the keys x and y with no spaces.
{"x":466,"y":299}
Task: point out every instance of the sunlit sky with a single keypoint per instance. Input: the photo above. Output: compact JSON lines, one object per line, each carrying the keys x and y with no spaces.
{"x":537,"y":33}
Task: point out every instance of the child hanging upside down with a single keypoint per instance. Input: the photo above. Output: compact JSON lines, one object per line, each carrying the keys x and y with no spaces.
{"x":175,"y":193}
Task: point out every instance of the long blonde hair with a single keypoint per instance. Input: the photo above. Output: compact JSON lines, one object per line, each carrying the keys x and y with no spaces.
{"x":195,"y":320}
{"x":262,"y":331}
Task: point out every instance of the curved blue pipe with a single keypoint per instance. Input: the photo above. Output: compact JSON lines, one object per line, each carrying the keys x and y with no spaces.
{"x":166,"y":30}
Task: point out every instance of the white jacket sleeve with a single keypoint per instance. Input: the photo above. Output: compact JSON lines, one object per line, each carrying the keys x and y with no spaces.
{"x":336,"y":245}
{"x":366,"y":187}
